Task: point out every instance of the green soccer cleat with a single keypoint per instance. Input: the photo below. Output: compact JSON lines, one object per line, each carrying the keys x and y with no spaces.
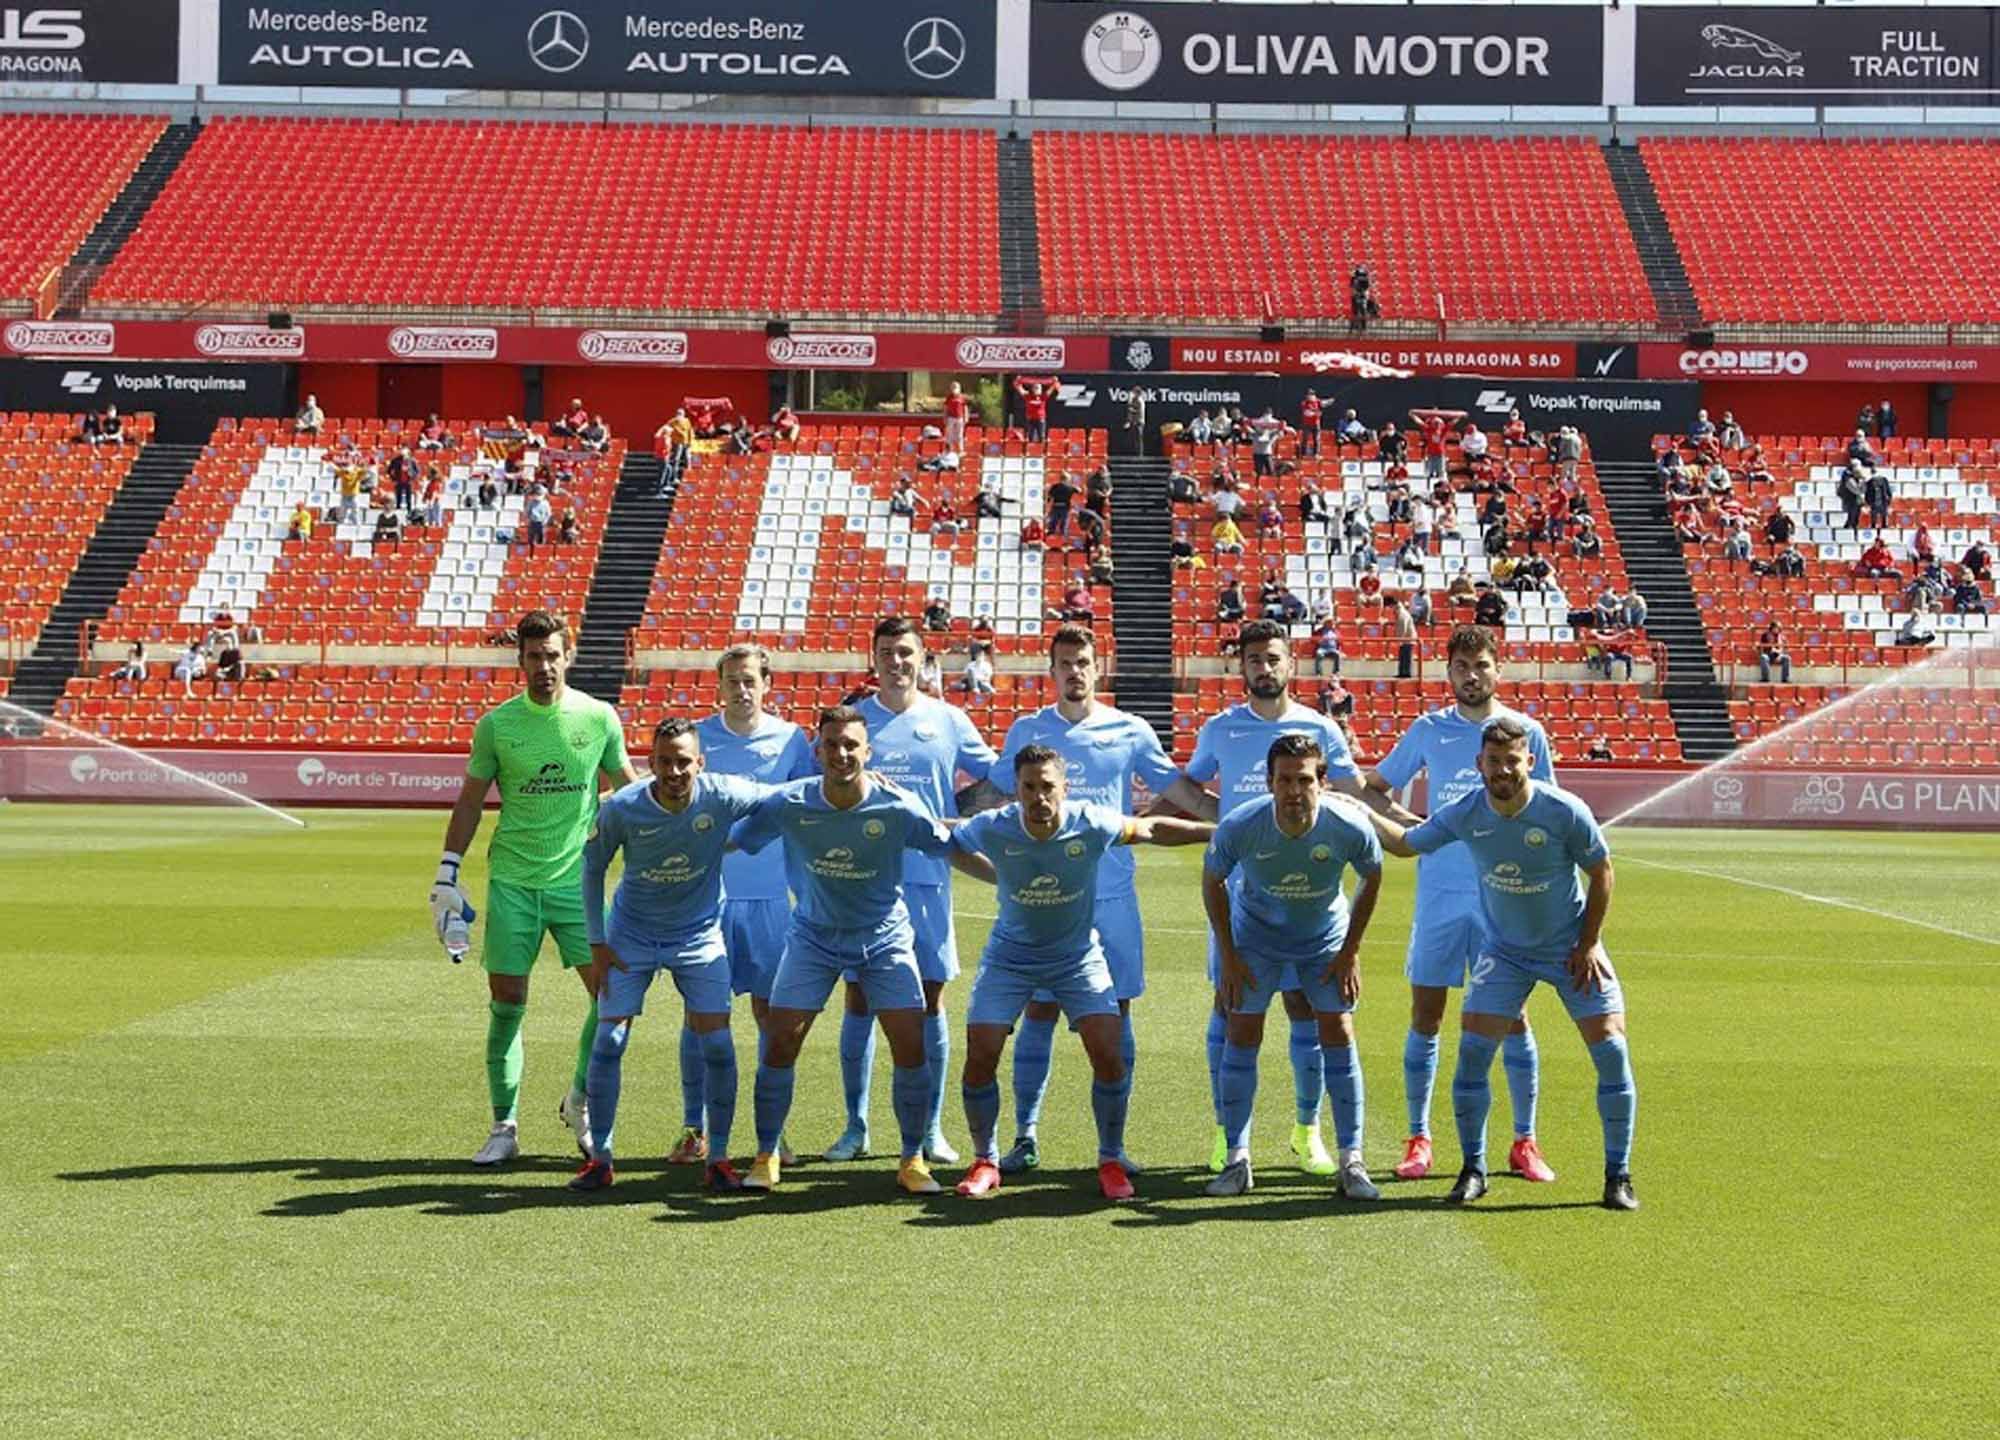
{"x":1218,"y":1153}
{"x":1311,"y":1151}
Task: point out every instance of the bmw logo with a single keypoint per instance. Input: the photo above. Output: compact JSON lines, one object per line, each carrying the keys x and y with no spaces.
{"x":1121,"y":51}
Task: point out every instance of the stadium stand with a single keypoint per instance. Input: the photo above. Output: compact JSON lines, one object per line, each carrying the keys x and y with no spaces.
{"x":699,"y":220}
{"x":53,"y":492}
{"x":1169,"y":226}
{"x":1763,"y":228}
{"x":63,"y":172}
{"x":799,"y":549}
{"x":1937,"y":727}
{"x":224,"y":545}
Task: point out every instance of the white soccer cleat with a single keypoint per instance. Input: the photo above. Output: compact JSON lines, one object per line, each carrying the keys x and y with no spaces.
{"x":1354,"y":1182}
{"x":575,"y":1113}
{"x":501,"y":1145}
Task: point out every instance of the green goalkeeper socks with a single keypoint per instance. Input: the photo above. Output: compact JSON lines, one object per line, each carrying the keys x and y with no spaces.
{"x":580,"y":1081}
{"x":503,"y":1057}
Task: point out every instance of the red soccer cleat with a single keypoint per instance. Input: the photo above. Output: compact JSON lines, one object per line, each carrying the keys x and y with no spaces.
{"x":1416,"y":1161}
{"x":981,"y":1180}
{"x":722,"y":1177}
{"x":690,"y":1149}
{"x":1525,"y":1160}
{"x":1113,"y":1181}
{"x":595,"y":1175}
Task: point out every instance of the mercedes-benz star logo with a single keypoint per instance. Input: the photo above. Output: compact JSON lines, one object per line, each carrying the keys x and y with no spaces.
{"x":934,"y":48}
{"x":558,"y":41}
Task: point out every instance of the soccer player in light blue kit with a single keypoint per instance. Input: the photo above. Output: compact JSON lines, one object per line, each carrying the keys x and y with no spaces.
{"x":1048,"y":854}
{"x":666,"y":916}
{"x":1231,"y":749}
{"x":848,"y":835}
{"x":1528,"y":841}
{"x":920,"y":744}
{"x":1286,"y":914}
{"x":741,"y":739}
{"x":1104,"y":749}
{"x":1445,"y":933}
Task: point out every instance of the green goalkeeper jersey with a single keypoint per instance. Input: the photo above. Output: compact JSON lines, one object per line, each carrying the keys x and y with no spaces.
{"x":546,"y":759}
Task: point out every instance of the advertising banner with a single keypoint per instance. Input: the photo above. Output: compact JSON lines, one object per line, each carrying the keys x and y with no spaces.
{"x":276,"y":777}
{"x":188,"y":398}
{"x":1323,"y":357}
{"x":1818,"y":362}
{"x":1317,"y":54}
{"x":91,"y":42}
{"x":1815,"y":55}
{"x":939,"y":48}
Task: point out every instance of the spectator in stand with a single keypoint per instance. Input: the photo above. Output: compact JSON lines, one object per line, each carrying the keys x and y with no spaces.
{"x":433,"y":436}
{"x":1076,"y":606}
{"x":1735,"y":540}
{"x":1607,"y":648}
{"x":1270,"y":594}
{"x":1392,"y":446}
{"x":1931,"y":584}
{"x":1852,"y":492}
{"x":1880,"y":495}
{"x":1568,"y":453}
{"x":1922,"y":550}
{"x":947,"y":459}
{"x":1534,"y":573}
{"x":1599,"y":749}
{"x":1061,"y":496}
{"x":930,"y":676}
{"x":566,"y":528}
{"x":1182,"y":488}
{"x":403,"y":478}
{"x":1411,"y":556}
{"x":1635,"y":609}
{"x":1515,"y":431}
{"x":785,"y":424}
{"x":1702,"y":429}
{"x":192,"y":665}
{"x":595,"y":435}
{"x":572,"y":420}
{"x":1336,"y":701}
{"x":1864,"y":423}
{"x":905,"y":499}
{"x":1312,"y":508}
{"x":1917,"y":628}
{"x":1886,"y":419}
{"x":1876,"y":563}
{"x":1035,"y":392}
{"x":676,"y":439}
{"x":1966,"y":596}
{"x":1368,"y":585}
{"x":1363,"y":305}
{"x":1787,"y":563}
{"x":350,"y":474}
{"x":1097,"y":491}
{"x":1461,"y":590}
{"x":1135,"y":417}
{"x":1490,"y":609}
{"x":1772,"y":654}
{"x":134,"y":667}
{"x":1226,"y":538}
{"x":433,"y":498}
{"x":224,"y":647}
{"x":310,"y":417}
{"x":1101,"y":569}
{"x":977,"y":678}
{"x":1859,"y":449}
{"x":104,"y":429}
{"x":944,"y":517}
{"x":1422,"y":523}
{"x":937,"y":614}
{"x":1667,"y":467}
{"x":989,"y":503}
{"x":1435,"y":443}
{"x":302,"y":522}
{"x":1420,"y":607}
{"x":1731,"y":434}
{"x":1326,"y":646}
{"x":1585,"y":544}
{"x":1472,"y":443}
{"x":1310,"y":410}
{"x":1229,"y":602}
{"x":388,"y":526}
{"x":1200,"y":430}
{"x":488,"y":497}
{"x":1033,"y":537}
{"x":1089,"y":529}
{"x":1270,"y":518}
{"x":1181,"y":550}
{"x":1609,"y":609}
{"x":1720,"y":486}
{"x":539,"y":514}
{"x":1778,"y":528}
{"x":1352,"y":431}
{"x":1687,"y":525}
{"x":1494,"y":539}
{"x":1977,"y":561}
{"x":1264,"y":433}
{"x":957,"y":410}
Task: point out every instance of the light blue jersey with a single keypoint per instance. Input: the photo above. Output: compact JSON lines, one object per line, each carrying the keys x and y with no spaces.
{"x":922,"y":750}
{"x":1103,"y":752}
{"x":777,"y":751}
{"x":1443,"y":746}
{"x":849,"y":861}
{"x":671,"y":892}
{"x":1530,"y":895}
{"x":1287,"y":904}
{"x":1233,"y":746}
{"x":1047,"y":888}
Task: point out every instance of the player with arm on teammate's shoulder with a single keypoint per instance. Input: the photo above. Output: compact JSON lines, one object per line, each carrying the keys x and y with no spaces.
{"x":1271,"y":885}
{"x":666,"y":916}
{"x":1104,"y":750}
{"x":1044,"y":854}
{"x":848,"y":834}
{"x":1232,"y":749}
{"x":1528,"y":842}
{"x":920,"y":744}
{"x":1445,"y":932}
{"x":743,"y":739}
{"x":545,"y":749}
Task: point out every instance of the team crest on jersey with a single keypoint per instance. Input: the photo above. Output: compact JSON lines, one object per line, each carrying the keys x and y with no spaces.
{"x":1536,"y":836}
{"x":704,"y":822}
{"x":873,"y":829}
{"x":926,"y":732}
{"x":1074,"y":849}
{"x":1322,"y":853}
{"x":578,"y":740}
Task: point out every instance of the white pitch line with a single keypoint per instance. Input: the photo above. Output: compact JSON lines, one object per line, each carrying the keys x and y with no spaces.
{"x":1162,"y":929}
{"x":1832,"y":900}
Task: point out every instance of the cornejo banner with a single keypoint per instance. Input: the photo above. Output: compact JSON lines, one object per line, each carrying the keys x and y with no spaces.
{"x":1819,"y":55}
{"x":1318,"y":54}
{"x":788,"y":47}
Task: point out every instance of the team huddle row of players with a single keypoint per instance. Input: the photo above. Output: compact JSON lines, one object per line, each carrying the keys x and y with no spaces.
{"x":758,"y":861}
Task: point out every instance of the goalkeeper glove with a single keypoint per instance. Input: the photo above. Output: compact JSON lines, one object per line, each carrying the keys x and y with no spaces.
{"x":447,"y":900}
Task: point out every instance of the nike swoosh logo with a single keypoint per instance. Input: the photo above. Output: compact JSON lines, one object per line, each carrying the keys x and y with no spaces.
{"x":642,"y":834}
{"x":1481,"y":834}
{"x":1016,"y":850}
{"x":1265,"y":854}
{"x":803,"y":823}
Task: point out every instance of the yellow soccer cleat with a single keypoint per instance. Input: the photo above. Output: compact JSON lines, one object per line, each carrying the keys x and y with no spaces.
{"x":1310,"y":1151}
{"x":763,"y":1174}
{"x":916,"y":1177}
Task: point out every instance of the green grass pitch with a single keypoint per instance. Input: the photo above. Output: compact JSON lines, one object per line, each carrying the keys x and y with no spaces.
{"x":240,"y":1084}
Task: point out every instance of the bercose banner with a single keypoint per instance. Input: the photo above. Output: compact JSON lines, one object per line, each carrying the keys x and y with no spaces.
{"x":778,"y":47}
{"x":91,"y":42}
{"x":1815,"y":55}
{"x":1318,"y":54}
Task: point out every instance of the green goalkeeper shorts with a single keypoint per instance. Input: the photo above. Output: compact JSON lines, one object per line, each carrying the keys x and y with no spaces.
{"x":516,"y":919}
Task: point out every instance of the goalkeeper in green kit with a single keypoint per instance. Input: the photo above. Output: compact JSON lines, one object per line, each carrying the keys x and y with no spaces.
{"x":546,"y":748}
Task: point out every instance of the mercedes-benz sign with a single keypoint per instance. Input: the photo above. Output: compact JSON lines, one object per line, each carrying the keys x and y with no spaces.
{"x":558,"y":41}
{"x":934,"y":48}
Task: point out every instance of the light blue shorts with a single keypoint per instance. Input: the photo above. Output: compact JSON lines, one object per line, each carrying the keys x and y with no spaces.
{"x":754,"y":933}
{"x":700,"y":968}
{"x":1271,"y":976}
{"x":1501,"y":984}
{"x":813,"y":964}
{"x":1442,"y":949}
{"x":1121,"y":935}
{"x":936,"y":941}
{"x":1288,"y":973}
{"x":1002,"y":988}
